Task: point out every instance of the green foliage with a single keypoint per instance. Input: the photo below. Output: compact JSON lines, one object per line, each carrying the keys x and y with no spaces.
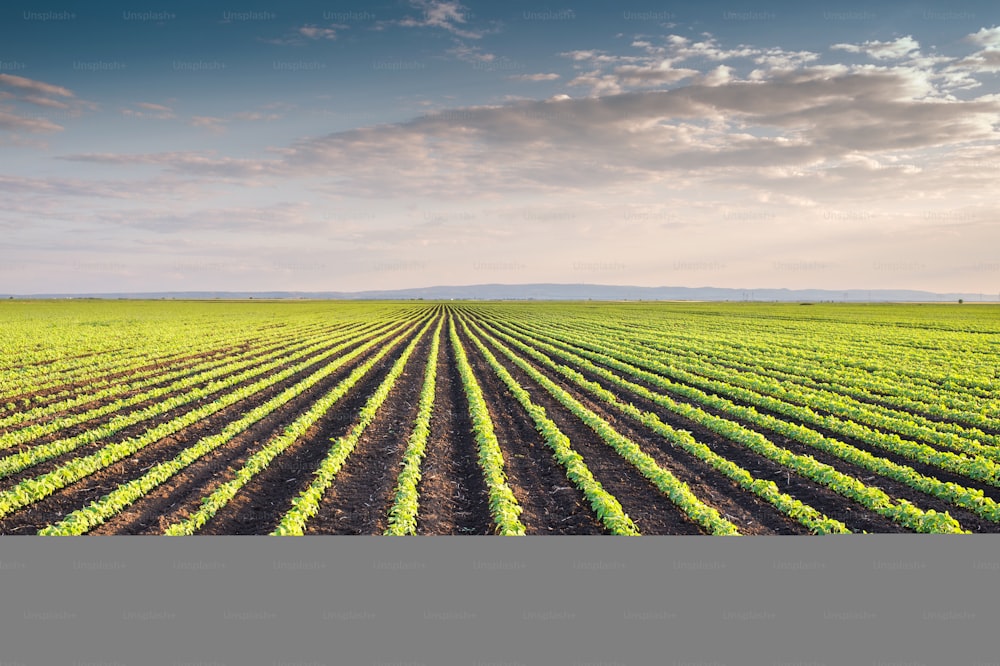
{"x":306,"y":505}
{"x":889,"y":390}
{"x":406,"y":502}
{"x":503,"y":505}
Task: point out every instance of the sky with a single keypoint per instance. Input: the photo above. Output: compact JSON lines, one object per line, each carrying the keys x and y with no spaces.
{"x":315,"y":146}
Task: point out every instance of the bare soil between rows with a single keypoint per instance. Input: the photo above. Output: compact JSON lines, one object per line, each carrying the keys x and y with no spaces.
{"x":854,"y":515}
{"x":453,"y":497}
{"x":550,"y":503}
{"x":76,"y":495}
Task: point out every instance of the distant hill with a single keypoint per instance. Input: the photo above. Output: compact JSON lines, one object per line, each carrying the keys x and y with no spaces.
{"x":556,"y":292}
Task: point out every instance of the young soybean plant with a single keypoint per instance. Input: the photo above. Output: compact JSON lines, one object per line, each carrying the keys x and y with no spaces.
{"x":403,"y":514}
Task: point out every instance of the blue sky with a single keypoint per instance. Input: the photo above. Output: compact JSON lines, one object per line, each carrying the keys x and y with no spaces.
{"x":345,"y":146}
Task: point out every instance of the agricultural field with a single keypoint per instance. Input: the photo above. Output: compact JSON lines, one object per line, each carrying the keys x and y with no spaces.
{"x":401,"y":418}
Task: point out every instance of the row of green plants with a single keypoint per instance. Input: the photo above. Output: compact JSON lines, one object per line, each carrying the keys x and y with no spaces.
{"x":963,"y":416}
{"x":41,"y":399}
{"x":503,"y":505}
{"x":106,"y":355}
{"x":768,"y":491}
{"x":844,"y":355}
{"x":185,"y":383}
{"x":89,"y":517}
{"x":968,"y":498}
{"x":259,"y":461}
{"x":406,"y":498}
{"x":606,"y":506}
{"x":821,"y":369}
{"x":673,"y":488}
{"x":33,"y":489}
{"x":792,"y":388}
{"x":102,"y":387}
{"x":47,"y":345}
{"x":298,"y":361}
{"x":973,"y":466}
{"x":977,"y":467}
{"x":306,"y":505}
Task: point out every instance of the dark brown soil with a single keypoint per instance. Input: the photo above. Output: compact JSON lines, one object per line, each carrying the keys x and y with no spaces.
{"x":174,"y":500}
{"x":748,"y":512}
{"x":550,"y":503}
{"x":453,"y":496}
{"x":848,"y":511}
{"x":652,"y":512}
{"x":855,"y":516}
{"x":130,"y":431}
{"x":86,"y":490}
{"x":56,"y":393}
{"x":452,"y":492}
{"x":359,"y":500}
{"x":259,"y":506}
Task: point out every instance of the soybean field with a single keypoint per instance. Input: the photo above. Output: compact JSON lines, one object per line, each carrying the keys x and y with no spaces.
{"x":507,"y":418}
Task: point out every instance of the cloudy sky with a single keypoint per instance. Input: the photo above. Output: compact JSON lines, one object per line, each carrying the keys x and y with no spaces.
{"x":348,"y":145}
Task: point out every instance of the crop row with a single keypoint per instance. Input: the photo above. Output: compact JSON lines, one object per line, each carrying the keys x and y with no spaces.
{"x":185,"y":382}
{"x":606,"y":507}
{"x":840,"y":401}
{"x":406,"y":501}
{"x":33,"y":489}
{"x":972,"y":499}
{"x":676,"y":490}
{"x":766,"y":490}
{"x":87,"y":518}
{"x":97,"y":388}
{"x":39,"y":453}
{"x":503,"y":505}
{"x":306,"y":505}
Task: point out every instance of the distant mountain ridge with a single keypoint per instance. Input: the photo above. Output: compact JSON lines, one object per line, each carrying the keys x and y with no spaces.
{"x":555,"y":292}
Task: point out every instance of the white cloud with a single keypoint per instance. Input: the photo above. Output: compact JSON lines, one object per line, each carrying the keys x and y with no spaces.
{"x":594,"y":57}
{"x":31,"y":85}
{"x":22,"y":90}
{"x":185,"y":163}
{"x":279,"y":218}
{"x":718,"y":76}
{"x":470,"y":53}
{"x":210,"y":123}
{"x":708,"y":48}
{"x":150,"y":110}
{"x":255,"y":116}
{"x":659,"y":64}
{"x":53,"y":190}
{"x":448,"y":15}
{"x":320,"y":32}
{"x":802,"y":119}
{"x":13,"y":122}
{"x":635,"y":76}
{"x":896,"y":49}
{"x":38,"y":100}
{"x":599,"y":84}
{"x":550,"y":76}
{"x":306,"y":33}
{"x":988,"y":38}
{"x":778,"y":58}
{"x":149,"y":106}
{"x":677,"y":145}
{"x":218,"y":125}
{"x":984,"y":61}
